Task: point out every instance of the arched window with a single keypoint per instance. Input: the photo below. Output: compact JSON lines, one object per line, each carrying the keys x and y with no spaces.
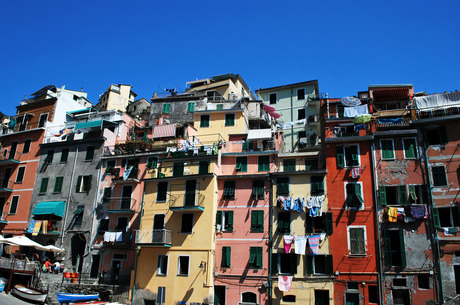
{"x":249,"y":297}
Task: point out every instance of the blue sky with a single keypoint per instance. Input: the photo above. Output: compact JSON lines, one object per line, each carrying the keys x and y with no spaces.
{"x":154,"y":45}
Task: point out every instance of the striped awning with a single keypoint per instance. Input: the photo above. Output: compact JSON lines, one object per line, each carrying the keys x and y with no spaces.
{"x":260,"y":134}
{"x":390,"y":94}
{"x":392,"y":113}
{"x":164,"y":131}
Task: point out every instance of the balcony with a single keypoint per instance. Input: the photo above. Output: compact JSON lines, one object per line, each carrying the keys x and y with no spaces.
{"x":132,"y":176}
{"x":159,"y":238}
{"x":19,"y":127}
{"x":53,"y":226}
{"x":313,"y":119}
{"x":436,"y":113}
{"x":119,"y":205}
{"x":6,"y":185}
{"x":18,"y":266}
{"x":192,"y":202}
{"x":118,"y":239}
{"x":10,"y":158}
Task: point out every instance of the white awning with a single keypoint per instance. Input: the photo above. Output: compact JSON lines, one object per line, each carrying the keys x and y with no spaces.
{"x":436,"y":101}
{"x":260,"y":134}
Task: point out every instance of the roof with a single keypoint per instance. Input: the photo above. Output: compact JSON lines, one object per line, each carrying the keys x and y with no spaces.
{"x":43,"y":90}
{"x":390,"y":85}
{"x":289,"y":86}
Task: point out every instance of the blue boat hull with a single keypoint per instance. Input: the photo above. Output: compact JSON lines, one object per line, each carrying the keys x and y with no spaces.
{"x":71,"y":297}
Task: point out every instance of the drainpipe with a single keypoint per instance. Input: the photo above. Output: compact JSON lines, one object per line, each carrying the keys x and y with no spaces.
{"x":292,"y":119}
{"x":435,"y":231}
{"x":138,"y":250}
{"x":68,"y":197}
{"x":377,"y":225}
{"x":270,"y":240}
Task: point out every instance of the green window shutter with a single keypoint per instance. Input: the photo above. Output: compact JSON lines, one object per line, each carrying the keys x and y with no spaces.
{"x":388,"y":259}
{"x":178,"y":169}
{"x":289,"y":165}
{"x":166,"y":108}
{"x":229,"y":190}
{"x":219,"y":106}
{"x":58,"y":185}
{"x":79,"y":181}
{"x":409,"y":148}
{"x":309,"y":228}
{"x":191,"y":107}
{"x":309,"y":264}
{"x":354,"y":154}
{"x":107,"y":193}
{"x":282,"y":186}
{"x":44,"y":185}
{"x":230,"y":119}
{"x":329,"y":265}
{"x":259,"y":257}
{"x":258,"y":189}
{"x":203,"y":167}
{"x":436,"y":222}
{"x":230,"y":221}
{"x":263,"y":163}
{"x":340,"y":157}
{"x":123,"y":163}
{"x":219,"y":218}
{"x":387,"y":149}
{"x":89,"y":153}
{"x":403,"y":248}
{"x":204,"y":121}
{"x":226,"y":256}
{"x":88,"y":185}
{"x":353,"y":241}
{"x":252,"y":257}
{"x":329,"y":223}
{"x":382,"y":195}
{"x":64,"y":155}
{"x":244,"y":164}
{"x":402,"y":194}
{"x":257,"y":221}
{"x":293,"y":263}
{"x":152,"y":162}
{"x":412,"y":193}
{"x":357,"y":187}
{"x":274,"y":263}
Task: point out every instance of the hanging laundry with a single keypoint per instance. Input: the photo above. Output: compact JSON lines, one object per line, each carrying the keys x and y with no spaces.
{"x":307,"y":203}
{"x":195,"y":151}
{"x":390,"y":121}
{"x":356,"y":172}
{"x":300,"y":244}
{"x":297,"y":205}
{"x":280,"y":202}
{"x":127,"y":172}
{"x":351,"y":112}
{"x":417,"y":211}
{"x":392,"y":214}
{"x":359,"y":127}
{"x":315,"y":212}
{"x":313,"y":243}
{"x":322,"y":236}
{"x":401,"y":214}
{"x":287,"y":240}
{"x":287,"y":203}
{"x":284,"y":282}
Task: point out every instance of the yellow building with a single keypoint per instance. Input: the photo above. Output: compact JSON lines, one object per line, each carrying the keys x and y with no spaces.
{"x":117,"y":97}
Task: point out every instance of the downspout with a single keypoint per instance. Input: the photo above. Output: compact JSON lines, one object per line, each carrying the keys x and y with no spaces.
{"x":292,"y":119}
{"x":377,"y":225}
{"x":138,"y":250}
{"x":270,"y":240}
{"x":70,"y":192}
{"x":435,"y":231}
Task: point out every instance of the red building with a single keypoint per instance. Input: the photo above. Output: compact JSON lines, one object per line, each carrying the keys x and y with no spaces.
{"x":351,"y":201}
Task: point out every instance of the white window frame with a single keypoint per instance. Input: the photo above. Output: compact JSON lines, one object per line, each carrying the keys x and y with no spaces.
{"x":11,"y":204}
{"x":47,"y":116}
{"x":17,"y":174}
{"x":193,"y":223}
{"x":349,"y":241}
{"x":314,"y":263}
{"x":178,"y":265}
{"x":404,"y":147}
{"x":82,"y":184}
{"x":393,"y":148}
{"x":276,"y":98}
{"x":361,"y":188}
{"x":445,"y":173}
{"x":224,"y":219}
{"x":241,"y":297}
{"x":160,"y":264}
{"x":345,"y":156}
{"x":304,"y":94}
{"x":30,"y":145}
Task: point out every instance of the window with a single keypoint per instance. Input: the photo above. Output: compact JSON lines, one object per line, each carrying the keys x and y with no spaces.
{"x":354,"y":197}
{"x":249,"y":297}
{"x":103,"y":226}
{"x":457,"y":278}
{"x":393,"y":195}
{"x":78,"y":214}
{"x":203,"y":167}
{"x":291,"y":299}
{"x":162,"y":268}
{"x":230,"y":119}
{"x":83,"y":183}
{"x":401,"y":296}
{"x":166,"y":108}
{"x":255,"y":257}
{"x":347,"y":156}
{"x":152,"y":163}
{"x":320,"y":224}
{"x":311,"y":164}
{"x":219,"y":106}
{"x":178,"y":169}
{"x":229,"y":190}
{"x":225,"y":220}
{"x":287,"y":263}
{"x":289,"y":165}
{"x":282,"y":186}
{"x":258,"y":189}
{"x":43,"y":119}
{"x":241,"y":164}
{"x":43,"y":186}
{"x":14,"y":205}
{"x":89,"y":153}
{"x":439,"y":175}
{"x":357,"y":240}
{"x":301,"y":114}
{"x":284,"y":222}
{"x":319,"y":264}
{"x":410,"y":148}
{"x":394,"y":248}
{"x":26,"y":147}
{"x":257,"y":221}
{"x":161,"y":296}
{"x":387,"y":149}
{"x":183,"y":265}
{"x":162,"y":191}
{"x":317,"y":185}
{"x":301,"y":94}
{"x":321,"y":297}
{"x":446,"y":217}
{"x":58,"y":185}
{"x":226,"y":256}
{"x":20,"y":175}
{"x":418,"y":194}
{"x":204,"y":120}
{"x":64,"y":155}
{"x":190,"y":107}
{"x":190,"y":193}
{"x":247,"y":145}
{"x":436,"y":136}
{"x":122,"y":224}
{"x":264,"y":163}
{"x":187,"y":224}
{"x":373,"y":293}
{"x":424,"y":281}
{"x":272,"y":98}
{"x":49,"y":156}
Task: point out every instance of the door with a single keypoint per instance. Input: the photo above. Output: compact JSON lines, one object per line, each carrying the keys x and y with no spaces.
{"x":190,"y":190}
{"x":6,"y":178}
{"x":2,"y":205}
{"x":95,"y":266}
{"x":158,"y":235}
{"x":13,"y":149}
{"x":126,"y":197}
{"x":116,"y":267}
{"x":219,"y":295}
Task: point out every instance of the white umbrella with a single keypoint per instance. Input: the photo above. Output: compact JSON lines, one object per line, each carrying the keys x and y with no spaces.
{"x":52,"y":248}
{"x":23,"y":242}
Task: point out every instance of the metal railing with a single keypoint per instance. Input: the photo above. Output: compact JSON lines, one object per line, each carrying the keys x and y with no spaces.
{"x":154,"y":237}
{"x":426,"y":114}
{"x":16,"y":155}
{"x":18,"y":264}
{"x":119,"y":203}
{"x":21,"y":127}
{"x":134,"y":174}
{"x":184,"y":201}
{"x":6,"y":184}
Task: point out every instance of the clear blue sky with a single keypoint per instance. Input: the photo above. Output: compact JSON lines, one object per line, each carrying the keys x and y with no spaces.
{"x":154,"y":45}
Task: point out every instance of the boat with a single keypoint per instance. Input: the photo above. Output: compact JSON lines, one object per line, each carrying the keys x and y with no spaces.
{"x":29,"y":294}
{"x":3,"y":282}
{"x":75,"y":297}
{"x":91,"y":303}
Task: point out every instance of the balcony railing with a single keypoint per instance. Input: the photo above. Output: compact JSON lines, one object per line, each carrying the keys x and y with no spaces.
{"x":118,"y":238}
{"x":21,"y":127}
{"x":6,"y":185}
{"x":119,"y":203}
{"x":426,"y":114}
{"x":187,"y":202}
{"x":132,"y":176}
{"x":10,"y":157}
{"x":161,"y":237}
{"x":18,"y":265}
